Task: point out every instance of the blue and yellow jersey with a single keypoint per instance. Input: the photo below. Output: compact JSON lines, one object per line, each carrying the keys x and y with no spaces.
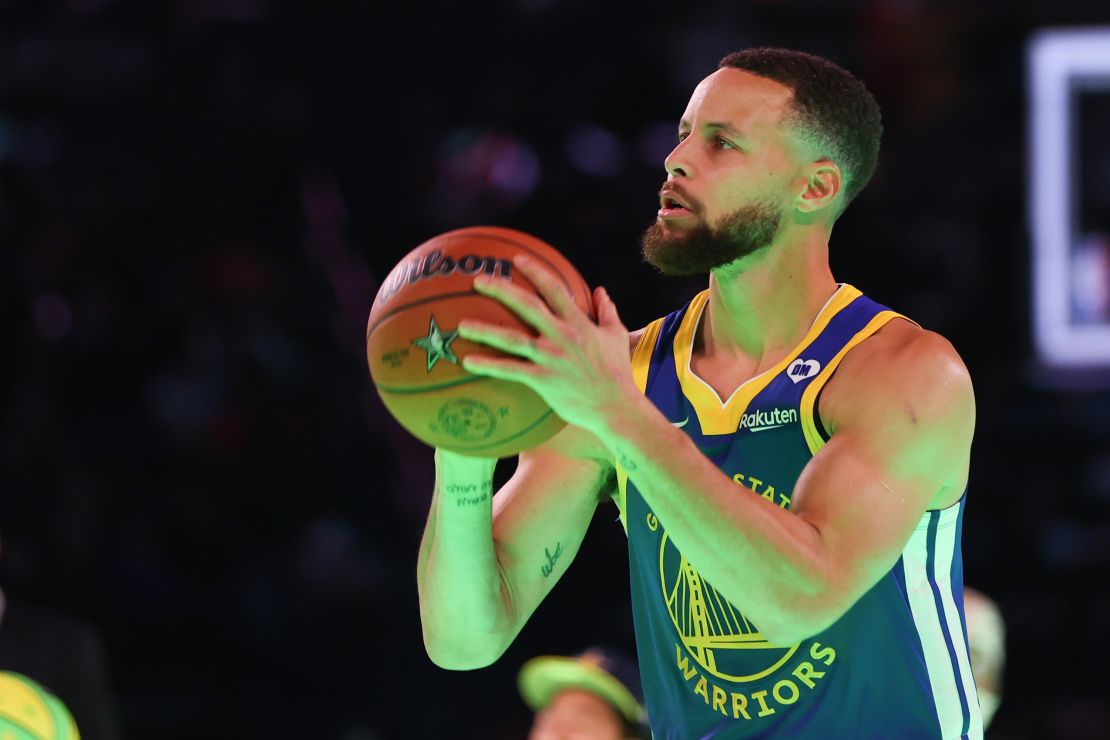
{"x":894,"y":666}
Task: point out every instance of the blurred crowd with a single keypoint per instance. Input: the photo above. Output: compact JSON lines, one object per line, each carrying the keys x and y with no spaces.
{"x":197,"y":199}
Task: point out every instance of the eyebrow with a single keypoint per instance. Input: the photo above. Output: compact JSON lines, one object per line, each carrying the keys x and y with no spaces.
{"x":715,"y":126}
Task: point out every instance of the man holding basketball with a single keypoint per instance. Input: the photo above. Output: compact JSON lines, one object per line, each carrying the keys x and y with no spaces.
{"x":790,"y":458}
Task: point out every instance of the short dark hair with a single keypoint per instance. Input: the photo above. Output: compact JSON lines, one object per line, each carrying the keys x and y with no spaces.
{"x":831,"y":108}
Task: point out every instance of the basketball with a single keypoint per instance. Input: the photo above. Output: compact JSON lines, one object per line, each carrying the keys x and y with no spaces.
{"x":415,"y":353}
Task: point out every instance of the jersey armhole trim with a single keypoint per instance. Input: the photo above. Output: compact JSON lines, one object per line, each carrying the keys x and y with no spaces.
{"x":821,"y":431}
{"x":641,"y":356}
{"x":816,"y":436}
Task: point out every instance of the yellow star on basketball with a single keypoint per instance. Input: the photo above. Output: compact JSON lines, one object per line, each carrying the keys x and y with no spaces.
{"x":438,"y":345}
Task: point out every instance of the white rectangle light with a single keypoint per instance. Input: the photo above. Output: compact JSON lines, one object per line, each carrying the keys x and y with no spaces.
{"x":1063,"y":63}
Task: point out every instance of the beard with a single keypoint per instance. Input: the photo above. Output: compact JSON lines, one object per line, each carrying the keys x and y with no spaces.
{"x":703,"y":248}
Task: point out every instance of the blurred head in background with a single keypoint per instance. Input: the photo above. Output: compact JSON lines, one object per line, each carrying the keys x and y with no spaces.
{"x":594,"y":695}
{"x":986,"y":637}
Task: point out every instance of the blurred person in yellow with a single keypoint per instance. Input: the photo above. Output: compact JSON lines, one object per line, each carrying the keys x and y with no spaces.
{"x":30,"y":712}
{"x":986,"y":637}
{"x":62,"y":651}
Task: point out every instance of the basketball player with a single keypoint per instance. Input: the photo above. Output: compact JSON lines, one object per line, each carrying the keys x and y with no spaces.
{"x":789,"y":458}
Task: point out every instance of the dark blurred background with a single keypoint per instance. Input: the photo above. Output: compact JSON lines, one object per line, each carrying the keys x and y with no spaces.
{"x":198,"y":199}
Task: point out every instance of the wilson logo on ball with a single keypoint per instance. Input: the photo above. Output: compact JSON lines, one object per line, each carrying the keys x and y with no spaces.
{"x":438,"y":264}
{"x":415,"y":353}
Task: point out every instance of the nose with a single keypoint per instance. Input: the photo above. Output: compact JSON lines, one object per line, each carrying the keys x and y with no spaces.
{"x":678,"y":162}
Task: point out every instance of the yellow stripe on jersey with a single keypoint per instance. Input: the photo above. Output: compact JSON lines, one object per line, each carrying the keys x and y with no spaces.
{"x":641,"y":363}
{"x":641,"y":356}
{"x":724,"y":418}
{"x":809,"y":398}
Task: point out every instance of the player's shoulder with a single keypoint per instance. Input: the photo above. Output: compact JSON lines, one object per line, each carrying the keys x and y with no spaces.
{"x":904,"y":365}
{"x":904,"y":343}
{"x":659,"y":324}
{"x":634,"y":339}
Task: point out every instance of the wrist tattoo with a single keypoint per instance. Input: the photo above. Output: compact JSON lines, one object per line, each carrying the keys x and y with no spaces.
{"x":469,"y":494}
{"x":549,"y":566}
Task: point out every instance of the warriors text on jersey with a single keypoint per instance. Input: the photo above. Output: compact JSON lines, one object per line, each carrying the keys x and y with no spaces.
{"x":895,"y":665}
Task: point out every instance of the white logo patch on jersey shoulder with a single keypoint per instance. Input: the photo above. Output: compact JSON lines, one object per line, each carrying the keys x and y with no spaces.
{"x":799,"y":370}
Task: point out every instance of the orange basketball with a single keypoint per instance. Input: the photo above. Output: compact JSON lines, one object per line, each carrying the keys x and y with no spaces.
{"x":415,"y":352}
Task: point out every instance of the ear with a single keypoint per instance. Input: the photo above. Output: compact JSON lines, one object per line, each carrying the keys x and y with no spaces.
{"x":822,"y":187}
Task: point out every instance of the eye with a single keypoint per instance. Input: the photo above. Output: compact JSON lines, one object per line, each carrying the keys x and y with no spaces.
{"x":720,"y":143}
{"x":681,"y":136}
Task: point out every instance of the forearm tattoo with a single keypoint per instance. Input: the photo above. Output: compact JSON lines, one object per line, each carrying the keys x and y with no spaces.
{"x":549,"y":566}
{"x":469,"y":494}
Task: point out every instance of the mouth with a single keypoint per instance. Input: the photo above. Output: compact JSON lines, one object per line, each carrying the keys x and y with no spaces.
{"x":672,"y":207}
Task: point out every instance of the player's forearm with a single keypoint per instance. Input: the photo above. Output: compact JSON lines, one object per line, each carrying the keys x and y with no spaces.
{"x":465,"y":609}
{"x":767,"y":561}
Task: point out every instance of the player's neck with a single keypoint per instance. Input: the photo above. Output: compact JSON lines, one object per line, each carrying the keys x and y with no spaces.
{"x":763,"y":307}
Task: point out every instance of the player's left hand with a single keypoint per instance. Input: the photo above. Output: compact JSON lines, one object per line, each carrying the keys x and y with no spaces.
{"x":581,"y":369}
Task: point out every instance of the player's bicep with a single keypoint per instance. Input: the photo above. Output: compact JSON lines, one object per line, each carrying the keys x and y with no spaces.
{"x":902,"y":449}
{"x":542,"y":513}
{"x":862,"y":514}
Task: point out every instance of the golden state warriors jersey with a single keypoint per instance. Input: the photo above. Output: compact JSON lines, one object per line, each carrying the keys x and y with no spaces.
{"x":894,"y":666}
